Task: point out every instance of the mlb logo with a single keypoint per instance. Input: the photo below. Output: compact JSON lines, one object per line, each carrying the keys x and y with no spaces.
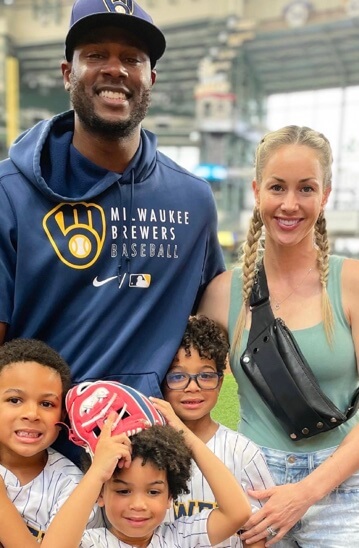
{"x":140,"y":280}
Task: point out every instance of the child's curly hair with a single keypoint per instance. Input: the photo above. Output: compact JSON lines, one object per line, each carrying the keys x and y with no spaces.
{"x":205,"y":336}
{"x":166,"y":449}
{"x":33,"y":350}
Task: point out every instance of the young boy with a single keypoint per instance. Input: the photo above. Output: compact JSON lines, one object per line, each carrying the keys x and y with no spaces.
{"x":192,"y":386}
{"x":35,"y":480}
{"x":135,"y":479}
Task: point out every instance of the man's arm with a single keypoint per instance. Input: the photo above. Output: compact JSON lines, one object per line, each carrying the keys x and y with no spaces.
{"x":233,"y":505}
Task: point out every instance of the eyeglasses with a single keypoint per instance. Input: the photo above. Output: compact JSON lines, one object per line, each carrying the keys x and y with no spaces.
{"x":207,"y":380}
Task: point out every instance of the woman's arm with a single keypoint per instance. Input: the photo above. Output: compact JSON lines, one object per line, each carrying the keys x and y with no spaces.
{"x":216,"y":298}
{"x":259,"y":544}
{"x":288,"y":503}
{"x":233,"y":506}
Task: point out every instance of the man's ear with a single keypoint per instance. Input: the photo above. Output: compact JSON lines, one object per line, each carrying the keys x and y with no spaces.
{"x":153,"y":76}
{"x":169,"y":502}
{"x":66,"y":71}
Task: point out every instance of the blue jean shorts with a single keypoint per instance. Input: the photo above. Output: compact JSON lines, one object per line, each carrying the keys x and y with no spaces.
{"x":333,"y":522}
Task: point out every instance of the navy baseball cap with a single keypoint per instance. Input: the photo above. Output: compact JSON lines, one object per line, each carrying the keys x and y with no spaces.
{"x":87,"y":15}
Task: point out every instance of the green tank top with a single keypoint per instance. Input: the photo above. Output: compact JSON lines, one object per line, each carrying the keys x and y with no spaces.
{"x":335,"y":369}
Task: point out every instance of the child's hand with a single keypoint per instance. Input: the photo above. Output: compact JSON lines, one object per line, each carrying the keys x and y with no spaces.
{"x":167,"y":411}
{"x":111,"y":451}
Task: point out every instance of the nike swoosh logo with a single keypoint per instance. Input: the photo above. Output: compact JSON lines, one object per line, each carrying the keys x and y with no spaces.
{"x":97,"y":283}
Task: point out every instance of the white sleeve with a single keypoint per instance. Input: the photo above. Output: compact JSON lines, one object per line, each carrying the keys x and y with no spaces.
{"x":63,"y":489}
{"x":185,"y":532}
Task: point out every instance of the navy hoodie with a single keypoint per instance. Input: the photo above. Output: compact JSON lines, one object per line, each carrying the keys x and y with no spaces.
{"x":104,"y":267}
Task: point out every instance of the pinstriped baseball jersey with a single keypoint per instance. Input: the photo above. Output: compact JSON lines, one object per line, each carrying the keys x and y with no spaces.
{"x":187,"y":532}
{"x":39,"y":500}
{"x":247,"y":464}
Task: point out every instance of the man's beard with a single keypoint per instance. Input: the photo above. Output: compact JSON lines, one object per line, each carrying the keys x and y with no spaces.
{"x":110,"y":130}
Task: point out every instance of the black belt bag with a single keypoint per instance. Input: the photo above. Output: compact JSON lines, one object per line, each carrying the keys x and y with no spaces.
{"x":279,"y":372}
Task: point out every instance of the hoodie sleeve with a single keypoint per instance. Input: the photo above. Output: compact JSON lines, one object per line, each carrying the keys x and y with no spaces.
{"x":7,"y":256}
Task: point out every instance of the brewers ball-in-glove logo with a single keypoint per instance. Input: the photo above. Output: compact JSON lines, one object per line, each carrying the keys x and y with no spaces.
{"x":120,"y":7}
{"x":76,"y":232}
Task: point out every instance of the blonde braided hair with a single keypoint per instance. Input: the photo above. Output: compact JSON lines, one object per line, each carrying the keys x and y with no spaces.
{"x":322,"y":242}
{"x":250,"y":255}
{"x":252,"y":251}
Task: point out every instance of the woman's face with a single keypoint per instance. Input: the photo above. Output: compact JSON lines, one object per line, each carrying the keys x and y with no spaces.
{"x":291,"y":194}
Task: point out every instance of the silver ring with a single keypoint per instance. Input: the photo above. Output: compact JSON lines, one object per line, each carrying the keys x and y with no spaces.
{"x":272,"y":531}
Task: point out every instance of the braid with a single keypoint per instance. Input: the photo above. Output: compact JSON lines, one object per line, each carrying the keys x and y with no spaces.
{"x":248,"y":261}
{"x":321,"y":240}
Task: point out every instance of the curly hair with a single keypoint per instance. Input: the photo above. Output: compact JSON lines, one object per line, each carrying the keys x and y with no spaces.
{"x":253,"y":247}
{"x":205,"y":336}
{"x":32,"y":350}
{"x":166,"y":449}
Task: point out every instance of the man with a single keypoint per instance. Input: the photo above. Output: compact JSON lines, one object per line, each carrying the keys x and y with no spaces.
{"x":88,"y":208}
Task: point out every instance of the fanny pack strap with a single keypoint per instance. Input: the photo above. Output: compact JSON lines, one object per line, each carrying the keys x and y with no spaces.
{"x":277,"y":378}
{"x":259,"y":304}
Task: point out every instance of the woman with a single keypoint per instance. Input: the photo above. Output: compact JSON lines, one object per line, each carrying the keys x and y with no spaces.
{"x":317,"y":295}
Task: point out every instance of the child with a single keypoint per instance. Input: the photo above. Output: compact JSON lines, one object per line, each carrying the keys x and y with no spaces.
{"x":135,"y":479}
{"x":192,"y":386}
{"x":35,"y":480}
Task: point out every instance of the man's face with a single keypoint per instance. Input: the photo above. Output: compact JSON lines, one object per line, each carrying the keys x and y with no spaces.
{"x":110,"y":79}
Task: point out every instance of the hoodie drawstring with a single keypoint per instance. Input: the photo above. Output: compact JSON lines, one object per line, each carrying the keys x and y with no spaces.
{"x":129,"y":225}
{"x":132,"y":200}
{"x":120,"y":236}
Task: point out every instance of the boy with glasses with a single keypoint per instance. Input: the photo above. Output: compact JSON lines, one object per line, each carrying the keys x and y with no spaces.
{"x":192,"y":386}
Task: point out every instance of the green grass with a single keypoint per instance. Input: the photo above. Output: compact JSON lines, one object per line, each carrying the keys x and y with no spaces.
{"x":227,"y":409}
